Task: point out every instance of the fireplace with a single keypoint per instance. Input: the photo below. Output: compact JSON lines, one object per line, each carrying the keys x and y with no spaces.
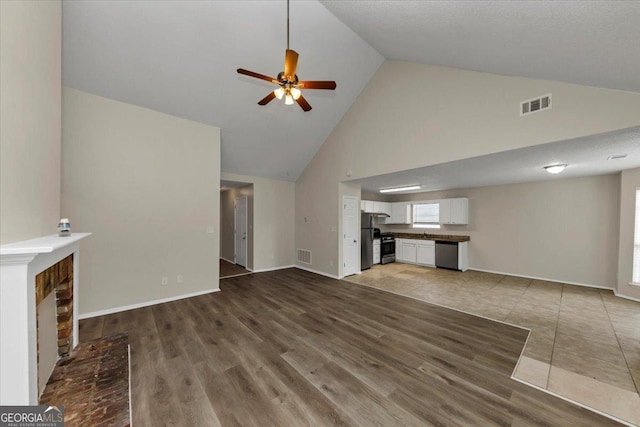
{"x":31,"y":272}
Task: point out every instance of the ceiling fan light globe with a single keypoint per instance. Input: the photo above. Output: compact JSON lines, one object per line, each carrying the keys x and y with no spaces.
{"x":288,"y":100}
{"x":295,"y":92}
{"x":279,"y":93}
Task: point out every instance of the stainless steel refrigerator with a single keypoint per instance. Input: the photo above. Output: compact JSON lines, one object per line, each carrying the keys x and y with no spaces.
{"x":366,"y":241}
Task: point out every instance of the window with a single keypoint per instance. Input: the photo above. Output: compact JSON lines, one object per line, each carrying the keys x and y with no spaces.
{"x":426,"y":215}
{"x":636,"y":241}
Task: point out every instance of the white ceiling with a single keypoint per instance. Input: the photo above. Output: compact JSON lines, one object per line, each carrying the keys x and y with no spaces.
{"x":584,"y":156}
{"x":180,"y":57}
{"x":593,"y":43}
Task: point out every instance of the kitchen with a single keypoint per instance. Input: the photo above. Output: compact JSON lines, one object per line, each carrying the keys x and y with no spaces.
{"x":411,"y":240}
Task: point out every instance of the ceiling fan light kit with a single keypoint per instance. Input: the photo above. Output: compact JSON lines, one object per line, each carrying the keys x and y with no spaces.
{"x":288,"y":80}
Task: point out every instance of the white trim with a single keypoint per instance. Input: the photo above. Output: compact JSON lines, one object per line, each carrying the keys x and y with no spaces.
{"x":634,"y":284}
{"x":619,"y":295}
{"x":264,"y":270}
{"x":228,"y":260}
{"x":310,"y":270}
{"x":565,"y":282}
{"x":143,"y":304}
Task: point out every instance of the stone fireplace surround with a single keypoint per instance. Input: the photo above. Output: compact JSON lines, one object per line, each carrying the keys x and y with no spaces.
{"x":20,"y":263}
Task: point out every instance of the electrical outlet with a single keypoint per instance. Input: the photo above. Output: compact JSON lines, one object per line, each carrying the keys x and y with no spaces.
{"x":330,"y":263}
{"x":211,"y":229}
{"x":165,"y":280}
{"x":179,"y":279}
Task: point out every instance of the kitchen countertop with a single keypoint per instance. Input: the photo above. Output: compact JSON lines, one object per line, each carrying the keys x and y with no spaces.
{"x":436,"y":237}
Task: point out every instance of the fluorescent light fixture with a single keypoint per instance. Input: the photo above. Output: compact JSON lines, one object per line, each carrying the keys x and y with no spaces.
{"x":555,"y":169}
{"x":393,"y":190}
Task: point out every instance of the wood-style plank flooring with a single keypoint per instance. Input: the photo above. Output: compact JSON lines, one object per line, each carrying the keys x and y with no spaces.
{"x":292,"y":348}
{"x":228,"y":269}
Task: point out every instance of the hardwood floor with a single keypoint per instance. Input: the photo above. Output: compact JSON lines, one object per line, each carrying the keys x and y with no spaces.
{"x":228,"y":269}
{"x":293,"y":348}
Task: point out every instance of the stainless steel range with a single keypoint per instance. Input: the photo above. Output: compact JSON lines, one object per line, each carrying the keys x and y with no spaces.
{"x":387,"y":248}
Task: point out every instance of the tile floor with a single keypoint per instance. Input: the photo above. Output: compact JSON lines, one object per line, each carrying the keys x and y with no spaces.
{"x":584,"y":343}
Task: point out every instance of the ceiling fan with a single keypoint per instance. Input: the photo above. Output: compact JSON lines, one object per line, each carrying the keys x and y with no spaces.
{"x":288,"y":80}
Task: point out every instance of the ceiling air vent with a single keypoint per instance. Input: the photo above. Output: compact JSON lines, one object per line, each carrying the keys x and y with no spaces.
{"x":304,"y":256}
{"x":534,"y":105}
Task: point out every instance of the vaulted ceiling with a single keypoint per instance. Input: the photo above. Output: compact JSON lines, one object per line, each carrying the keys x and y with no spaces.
{"x":180,"y":58}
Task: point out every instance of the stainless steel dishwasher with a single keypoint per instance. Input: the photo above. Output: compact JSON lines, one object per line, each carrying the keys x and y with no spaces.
{"x":447,"y":255}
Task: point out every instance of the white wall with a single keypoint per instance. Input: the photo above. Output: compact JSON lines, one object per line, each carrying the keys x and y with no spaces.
{"x":564,"y":229}
{"x":30,"y":109}
{"x":273,"y":216}
{"x":413,"y":115}
{"x":227,"y":223}
{"x":630,"y":180}
{"x":147,"y":185}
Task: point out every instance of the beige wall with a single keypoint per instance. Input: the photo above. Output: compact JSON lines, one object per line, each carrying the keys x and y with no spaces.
{"x":564,"y":230}
{"x":30,"y":108}
{"x":147,"y":185}
{"x":630,"y":180}
{"x":227,"y":222}
{"x":412,"y":115}
{"x":273,"y":216}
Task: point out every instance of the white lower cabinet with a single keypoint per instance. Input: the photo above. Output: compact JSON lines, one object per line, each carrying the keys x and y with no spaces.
{"x":421,"y":252}
{"x":409,"y":251}
{"x":376,"y":251}
{"x":426,"y":252}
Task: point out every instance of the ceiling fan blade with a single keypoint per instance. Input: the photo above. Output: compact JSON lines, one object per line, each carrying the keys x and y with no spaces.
{"x":331,"y":85}
{"x":303,"y":103}
{"x":267,"y":99}
{"x":290,"y":63}
{"x":256,"y":75}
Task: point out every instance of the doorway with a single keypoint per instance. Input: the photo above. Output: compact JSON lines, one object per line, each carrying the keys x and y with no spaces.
{"x":236,"y":207}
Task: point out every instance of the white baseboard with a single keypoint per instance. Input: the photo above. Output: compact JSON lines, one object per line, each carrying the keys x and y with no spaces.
{"x":263,"y":270}
{"x":541,"y":278}
{"x":228,"y":260}
{"x":310,"y":270}
{"x":143,"y":304}
{"x":619,"y":295}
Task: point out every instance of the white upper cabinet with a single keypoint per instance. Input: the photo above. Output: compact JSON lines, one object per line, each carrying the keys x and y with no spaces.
{"x":367,"y":206}
{"x":382,"y":207}
{"x":400,"y":213}
{"x":454,"y":211}
{"x":370,"y":206}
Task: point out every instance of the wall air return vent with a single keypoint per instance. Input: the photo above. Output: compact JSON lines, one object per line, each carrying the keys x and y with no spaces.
{"x":304,"y":256}
{"x":534,"y":105}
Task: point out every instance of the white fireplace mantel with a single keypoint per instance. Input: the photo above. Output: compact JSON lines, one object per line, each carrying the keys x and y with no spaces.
{"x":20,"y":262}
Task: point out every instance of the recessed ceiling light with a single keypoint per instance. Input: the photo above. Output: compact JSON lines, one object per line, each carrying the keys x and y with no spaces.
{"x":393,"y":190}
{"x":617,"y":157}
{"x":555,"y":169}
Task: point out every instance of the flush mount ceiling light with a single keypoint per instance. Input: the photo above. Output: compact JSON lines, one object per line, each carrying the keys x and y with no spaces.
{"x":555,"y":169}
{"x":393,"y":190}
{"x":288,"y":80}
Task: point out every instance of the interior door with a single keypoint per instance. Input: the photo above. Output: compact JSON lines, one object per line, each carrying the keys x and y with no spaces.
{"x":350,"y":247}
{"x":240,"y":230}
